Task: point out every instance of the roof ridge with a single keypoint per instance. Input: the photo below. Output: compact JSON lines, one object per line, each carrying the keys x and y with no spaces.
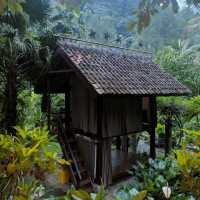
{"x":102,"y":44}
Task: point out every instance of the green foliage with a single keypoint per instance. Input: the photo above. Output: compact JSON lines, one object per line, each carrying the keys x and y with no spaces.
{"x":180,"y":63}
{"x":28,"y":46}
{"x":180,"y":171}
{"x":160,"y":129}
{"x":38,"y":10}
{"x":193,"y":107}
{"x":191,"y":30}
{"x":13,"y":6}
{"x":83,"y":195}
{"x":16,"y":54}
{"x":157,"y":174}
{"x":174,"y":109}
{"x":23,"y":53}
{"x":183,"y":111}
{"x":165,"y":29}
{"x":140,"y":195}
{"x":188,"y":161}
{"x":131,"y":193}
{"x":147,"y":9}
{"x":29,"y":109}
{"x":24,"y":160}
{"x":181,"y":60}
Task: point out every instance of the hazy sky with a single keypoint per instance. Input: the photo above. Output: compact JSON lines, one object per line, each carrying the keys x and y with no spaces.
{"x":181,"y":3}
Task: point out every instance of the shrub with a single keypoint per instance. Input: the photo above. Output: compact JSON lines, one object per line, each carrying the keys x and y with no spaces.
{"x":24,"y":159}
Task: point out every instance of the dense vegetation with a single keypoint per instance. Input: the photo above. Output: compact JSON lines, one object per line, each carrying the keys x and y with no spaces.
{"x":29,"y":30}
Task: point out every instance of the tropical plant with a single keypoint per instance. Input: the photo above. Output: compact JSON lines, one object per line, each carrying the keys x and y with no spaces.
{"x":21,"y":51}
{"x":29,"y":102}
{"x":184,"y":115}
{"x":130,"y":193}
{"x":160,"y":129}
{"x":83,"y":195}
{"x":24,"y":160}
{"x":188,"y":160}
{"x":180,"y":60}
{"x":157,"y":174}
{"x":193,"y":108}
{"x":15,"y":53}
{"x":179,"y":173}
{"x":172,"y":110}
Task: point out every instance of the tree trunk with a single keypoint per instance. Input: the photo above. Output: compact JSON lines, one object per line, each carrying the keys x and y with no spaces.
{"x":168,"y":136}
{"x":11,"y":95}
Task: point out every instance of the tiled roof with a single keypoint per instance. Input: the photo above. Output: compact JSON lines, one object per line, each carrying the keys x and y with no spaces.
{"x":116,"y":71}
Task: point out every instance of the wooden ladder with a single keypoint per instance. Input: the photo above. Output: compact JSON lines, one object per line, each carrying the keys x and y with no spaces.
{"x":79,"y":174}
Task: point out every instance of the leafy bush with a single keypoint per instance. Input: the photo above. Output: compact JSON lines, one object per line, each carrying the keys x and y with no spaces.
{"x":188,"y":161}
{"x":180,"y":62}
{"x":83,"y":195}
{"x":180,"y":170}
{"x":29,"y":109}
{"x":184,"y":113}
{"x":24,"y":160}
{"x":160,"y":129}
{"x":130,"y":194}
{"x":156,"y":174}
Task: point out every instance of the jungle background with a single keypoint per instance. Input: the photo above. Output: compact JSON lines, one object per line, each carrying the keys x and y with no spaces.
{"x":168,"y":29}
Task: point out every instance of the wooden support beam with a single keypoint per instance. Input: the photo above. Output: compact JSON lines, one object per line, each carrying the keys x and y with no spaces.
{"x":152,"y":143}
{"x":118,"y":143}
{"x":125,"y":142}
{"x":93,"y":136}
{"x":152,"y":126}
{"x":99,"y":170}
{"x":168,"y":135}
{"x":67,"y":109}
{"x":104,"y":160}
{"x":61,"y":71}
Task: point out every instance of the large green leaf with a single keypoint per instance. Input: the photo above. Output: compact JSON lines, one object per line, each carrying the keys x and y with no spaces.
{"x":140,"y":196}
{"x":83,"y":195}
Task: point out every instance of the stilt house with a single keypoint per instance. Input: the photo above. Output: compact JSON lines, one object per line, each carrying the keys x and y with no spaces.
{"x":110,"y":95}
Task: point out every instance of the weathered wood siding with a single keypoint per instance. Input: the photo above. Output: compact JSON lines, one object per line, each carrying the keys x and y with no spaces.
{"x":121,"y":115}
{"x":146,"y":109}
{"x":84,"y":108}
{"x":88,"y":152}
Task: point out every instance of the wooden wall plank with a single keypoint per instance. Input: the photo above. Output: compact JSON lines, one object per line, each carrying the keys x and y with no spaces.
{"x":152,"y":125}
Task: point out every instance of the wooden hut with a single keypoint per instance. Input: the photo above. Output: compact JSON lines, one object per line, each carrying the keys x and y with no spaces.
{"x":110,"y":93}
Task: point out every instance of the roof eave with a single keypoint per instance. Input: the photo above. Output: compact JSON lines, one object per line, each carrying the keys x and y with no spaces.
{"x":142,"y":95}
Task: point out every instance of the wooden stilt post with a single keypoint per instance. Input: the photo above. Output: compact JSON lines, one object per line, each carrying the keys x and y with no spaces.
{"x":152,"y":143}
{"x":152,"y":126}
{"x":125,"y":142}
{"x":168,"y":135}
{"x":99,"y":172}
{"x":67,"y":110}
{"x":134,"y":145}
{"x":118,"y":143}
